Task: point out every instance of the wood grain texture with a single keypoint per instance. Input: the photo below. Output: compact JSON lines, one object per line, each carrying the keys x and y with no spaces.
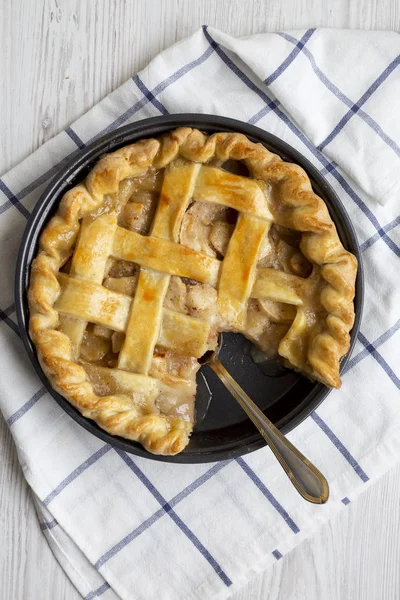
{"x":57,"y":59}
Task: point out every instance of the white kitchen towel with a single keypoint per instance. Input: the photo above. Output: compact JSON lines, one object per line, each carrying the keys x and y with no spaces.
{"x":126,"y":527}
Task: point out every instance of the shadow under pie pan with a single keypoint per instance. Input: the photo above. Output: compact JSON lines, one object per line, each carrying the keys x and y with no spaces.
{"x":222,"y":430}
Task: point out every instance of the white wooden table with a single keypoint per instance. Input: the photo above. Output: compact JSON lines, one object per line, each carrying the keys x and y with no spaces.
{"x":58,"y":58}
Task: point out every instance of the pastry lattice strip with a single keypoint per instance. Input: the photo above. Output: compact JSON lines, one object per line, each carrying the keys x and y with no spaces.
{"x":143,"y":319}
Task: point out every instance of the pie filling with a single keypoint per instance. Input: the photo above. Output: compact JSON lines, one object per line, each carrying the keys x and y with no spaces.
{"x":169,"y":258}
{"x":208,"y":229}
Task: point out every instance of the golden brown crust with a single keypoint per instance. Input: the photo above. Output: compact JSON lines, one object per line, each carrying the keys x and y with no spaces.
{"x":300,"y":209}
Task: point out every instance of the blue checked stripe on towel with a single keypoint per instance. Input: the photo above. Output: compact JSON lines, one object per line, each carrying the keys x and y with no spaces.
{"x":118,"y":523}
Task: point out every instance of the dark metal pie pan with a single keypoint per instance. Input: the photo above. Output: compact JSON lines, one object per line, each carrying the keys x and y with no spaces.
{"x":223,"y":431}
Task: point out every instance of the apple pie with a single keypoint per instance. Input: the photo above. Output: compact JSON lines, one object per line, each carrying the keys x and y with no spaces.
{"x":165,"y":244}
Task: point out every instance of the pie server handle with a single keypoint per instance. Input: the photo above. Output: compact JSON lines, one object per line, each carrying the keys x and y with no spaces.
{"x":305,"y":477}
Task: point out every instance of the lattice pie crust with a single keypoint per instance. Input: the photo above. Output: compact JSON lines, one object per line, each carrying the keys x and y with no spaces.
{"x":159,"y":249}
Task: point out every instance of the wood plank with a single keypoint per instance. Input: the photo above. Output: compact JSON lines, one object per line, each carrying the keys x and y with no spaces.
{"x":58,"y":60}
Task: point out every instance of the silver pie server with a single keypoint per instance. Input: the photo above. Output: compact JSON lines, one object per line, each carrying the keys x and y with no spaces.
{"x":306,"y":478}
